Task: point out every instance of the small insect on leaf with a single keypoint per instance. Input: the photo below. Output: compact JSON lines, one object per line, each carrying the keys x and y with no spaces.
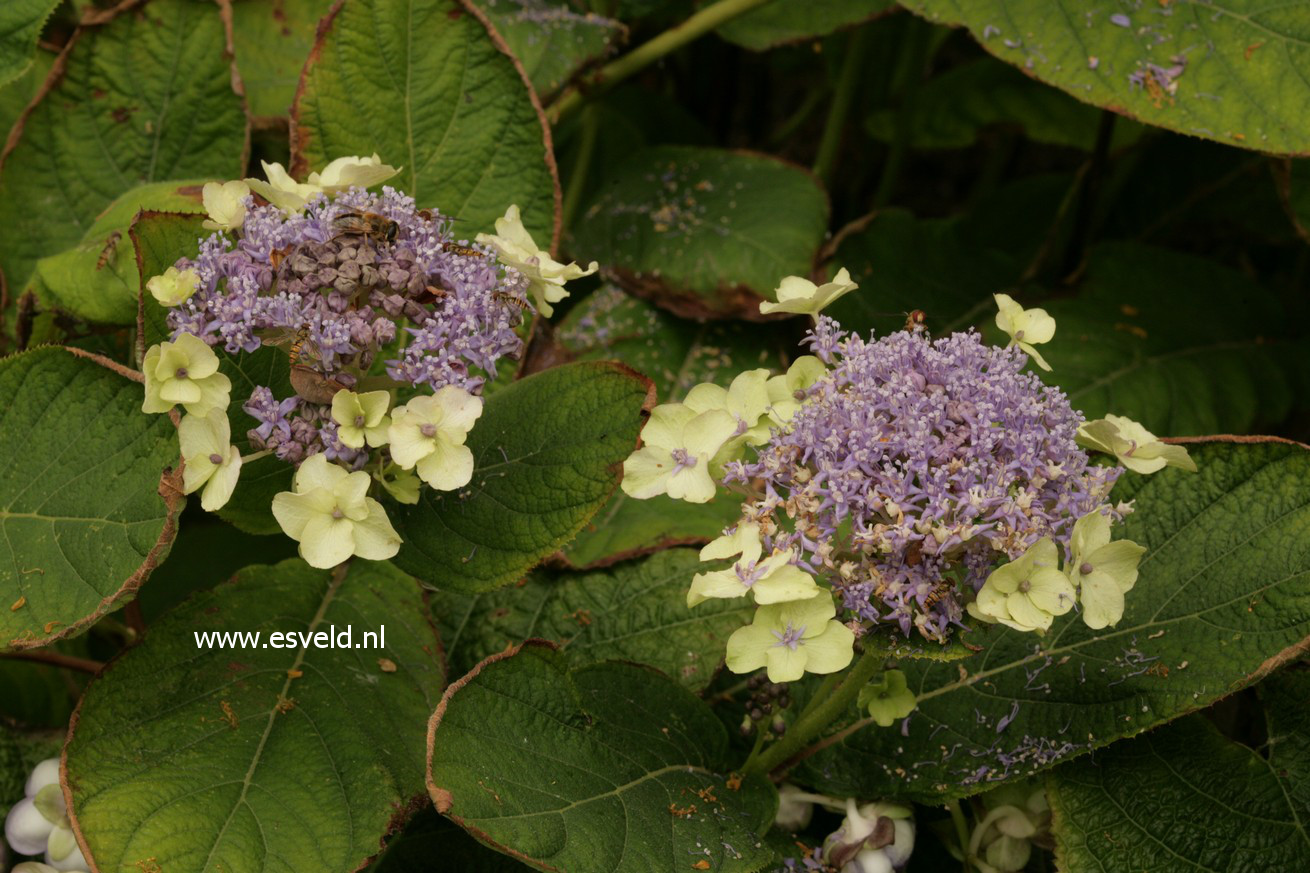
{"x":386,"y":665}
{"x":110,"y":250}
{"x":702,"y":864}
{"x":18,"y":604}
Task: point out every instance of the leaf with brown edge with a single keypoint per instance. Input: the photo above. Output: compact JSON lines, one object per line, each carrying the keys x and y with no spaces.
{"x":141,"y":93}
{"x":610,"y":767}
{"x":1223,"y":597}
{"x":207,"y":758}
{"x":702,"y":232}
{"x":88,"y":505}
{"x":1188,"y":797}
{"x":431,"y":88}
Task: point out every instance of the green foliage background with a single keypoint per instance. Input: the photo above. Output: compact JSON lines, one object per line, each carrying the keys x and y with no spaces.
{"x":1137,"y":168}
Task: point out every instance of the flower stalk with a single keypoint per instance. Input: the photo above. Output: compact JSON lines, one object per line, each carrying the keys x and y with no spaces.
{"x":648,"y":53}
{"x":825,"y":708}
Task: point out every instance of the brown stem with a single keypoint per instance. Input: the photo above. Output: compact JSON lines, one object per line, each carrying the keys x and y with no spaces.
{"x":55,"y":659}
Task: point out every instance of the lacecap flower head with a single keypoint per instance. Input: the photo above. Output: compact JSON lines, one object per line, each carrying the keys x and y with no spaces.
{"x":916,"y":466}
{"x":370,"y":298}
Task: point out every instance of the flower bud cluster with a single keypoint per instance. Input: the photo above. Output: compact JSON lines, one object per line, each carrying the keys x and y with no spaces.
{"x":38,"y":824}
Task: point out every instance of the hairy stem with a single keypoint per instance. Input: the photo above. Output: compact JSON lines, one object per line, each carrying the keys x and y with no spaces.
{"x":822,"y":712}
{"x":648,"y":53}
{"x":961,"y":834}
{"x":590,"y":129}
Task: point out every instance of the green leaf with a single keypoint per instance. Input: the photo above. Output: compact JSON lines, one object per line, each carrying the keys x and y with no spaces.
{"x":15,"y":96}
{"x":547,"y":452}
{"x":19,"y":753}
{"x":636,"y":611}
{"x":949,"y":268}
{"x":783,"y":21}
{"x":98,"y":279}
{"x":145,"y":97}
{"x":611,"y":767}
{"x":206,"y":759}
{"x":1125,"y":345}
{"x":1224,"y":593}
{"x":950,"y":111}
{"x":271,"y":42}
{"x":83,"y":518}
{"x":429,"y":836}
{"x":551,"y":39}
{"x":1186,"y":797}
{"x":21,"y":22}
{"x":207,"y":551}
{"x":676,"y":355}
{"x":428,"y":87}
{"x":160,"y":238}
{"x":705,"y":232}
{"x":1238,"y":82}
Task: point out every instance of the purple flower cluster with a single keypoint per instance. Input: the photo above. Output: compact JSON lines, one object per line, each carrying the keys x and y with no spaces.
{"x":350,"y":280}
{"x":915,"y":467}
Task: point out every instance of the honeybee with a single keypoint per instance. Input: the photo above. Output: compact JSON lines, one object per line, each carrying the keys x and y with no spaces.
{"x":369,"y":225}
{"x":511,"y":300}
{"x":110,"y":250}
{"x":462,"y":250}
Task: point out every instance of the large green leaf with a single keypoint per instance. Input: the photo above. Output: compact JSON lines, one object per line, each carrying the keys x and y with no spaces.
{"x":271,"y":41}
{"x":298,"y":758}
{"x":636,"y":611}
{"x":1224,"y":594}
{"x":145,"y":97}
{"x":81,"y":509}
{"x":948,"y":267}
{"x":782,"y":21}
{"x":611,"y":767}
{"x":1226,"y":70}
{"x":950,"y":111}
{"x":675,"y":354}
{"x":547,"y":452}
{"x":705,"y":232}
{"x":426,"y":85}
{"x":1127,"y":345}
{"x":1186,"y":797}
{"x":551,"y":38}
{"x":20,"y":28}
{"x":15,"y":96}
{"x":98,"y":279}
{"x":160,"y":238}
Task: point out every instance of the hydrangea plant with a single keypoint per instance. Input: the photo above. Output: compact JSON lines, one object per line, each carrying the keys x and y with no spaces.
{"x":746,"y":436}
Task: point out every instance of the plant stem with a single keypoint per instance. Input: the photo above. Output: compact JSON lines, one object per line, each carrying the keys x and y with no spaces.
{"x":590,"y":128}
{"x":909,"y":74}
{"x":961,"y":833}
{"x":818,"y":715}
{"x":648,"y":53}
{"x":55,"y":659}
{"x":835,"y":126}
